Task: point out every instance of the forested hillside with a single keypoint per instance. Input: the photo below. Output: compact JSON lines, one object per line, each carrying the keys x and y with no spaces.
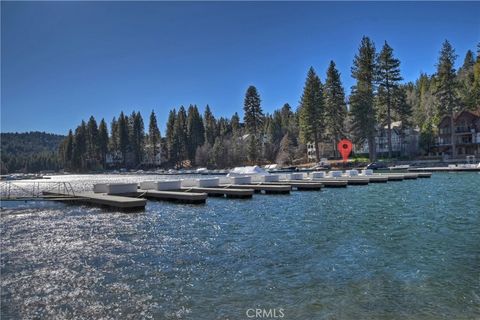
{"x":29,"y":152}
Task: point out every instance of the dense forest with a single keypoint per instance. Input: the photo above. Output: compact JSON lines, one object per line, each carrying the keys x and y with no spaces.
{"x":29,"y":152}
{"x":324,"y":115}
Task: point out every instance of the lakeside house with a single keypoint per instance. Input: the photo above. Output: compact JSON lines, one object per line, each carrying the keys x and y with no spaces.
{"x":405,"y":140}
{"x":466,"y":134}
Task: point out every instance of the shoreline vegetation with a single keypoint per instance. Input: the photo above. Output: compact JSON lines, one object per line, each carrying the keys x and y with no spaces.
{"x":324,"y":116}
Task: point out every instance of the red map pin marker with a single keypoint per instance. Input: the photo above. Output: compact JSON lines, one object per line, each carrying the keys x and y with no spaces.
{"x":345,"y":147}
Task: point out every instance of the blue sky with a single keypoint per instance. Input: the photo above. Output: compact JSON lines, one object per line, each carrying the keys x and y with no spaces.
{"x":64,"y":61}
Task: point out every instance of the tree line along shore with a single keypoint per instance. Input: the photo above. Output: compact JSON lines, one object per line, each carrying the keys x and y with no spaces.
{"x":325,"y":115}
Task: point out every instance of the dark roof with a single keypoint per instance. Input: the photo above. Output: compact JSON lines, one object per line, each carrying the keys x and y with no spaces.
{"x":476,"y":113}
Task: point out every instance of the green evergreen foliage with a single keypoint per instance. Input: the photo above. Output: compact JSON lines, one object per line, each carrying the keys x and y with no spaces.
{"x":235,"y":123}
{"x":79,"y":152}
{"x":388,"y":78}
{"x":136,"y":138}
{"x":253,"y":149}
{"x":362,"y":98}
{"x":195,"y":132}
{"x":154,"y":137}
{"x":210,"y":126}
{"x":170,"y":137}
{"x":335,"y":106}
{"x":103,"y":142}
{"x":30,"y":152}
{"x":466,"y":82}
{"x":447,"y":87}
{"x":312,"y":111}
{"x":253,"y":113}
{"x":114,"y":143}
{"x":180,"y":136}
{"x":123,"y":136}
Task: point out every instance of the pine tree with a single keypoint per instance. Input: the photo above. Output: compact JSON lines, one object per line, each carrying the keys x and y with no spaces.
{"x":103,"y":141}
{"x":312,"y":111}
{"x":219,"y":154}
{"x":288,"y":119}
{"x":253,"y":114}
{"x":170,"y":137}
{"x":252,"y":148}
{"x":123,"y":136}
{"x":362,"y":97}
{"x":68,"y":150}
{"x":276,"y":130}
{"x":223,"y":127}
{"x":335,"y":106}
{"x":137,"y":136}
{"x":180,"y":134}
{"x":466,"y":82}
{"x":79,"y":147}
{"x":210,"y":126}
{"x":235,"y":124}
{"x":388,"y":77}
{"x":476,"y":80}
{"x":402,"y":110}
{"x":153,"y":137}
{"x":446,"y":92}
{"x":195,"y":132}
{"x":92,"y":139}
{"x":115,"y":138}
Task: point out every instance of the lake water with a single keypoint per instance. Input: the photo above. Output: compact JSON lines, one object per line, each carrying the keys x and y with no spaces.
{"x":401,"y":250}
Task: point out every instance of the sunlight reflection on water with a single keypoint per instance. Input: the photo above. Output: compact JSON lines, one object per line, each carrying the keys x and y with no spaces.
{"x":399,"y":250}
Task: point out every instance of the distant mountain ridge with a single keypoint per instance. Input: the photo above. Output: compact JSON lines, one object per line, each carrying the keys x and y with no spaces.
{"x":29,"y":151}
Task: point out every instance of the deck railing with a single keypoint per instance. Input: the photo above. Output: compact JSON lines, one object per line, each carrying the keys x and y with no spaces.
{"x":34,"y":190}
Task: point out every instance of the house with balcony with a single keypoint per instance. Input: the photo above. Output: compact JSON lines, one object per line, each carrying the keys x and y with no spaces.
{"x":466,"y":126}
{"x":404,"y":141}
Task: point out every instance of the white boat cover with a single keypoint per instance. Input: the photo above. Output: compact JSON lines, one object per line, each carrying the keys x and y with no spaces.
{"x":247,"y":171}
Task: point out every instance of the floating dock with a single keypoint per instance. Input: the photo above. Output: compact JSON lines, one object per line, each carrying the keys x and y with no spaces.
{"x":424,"y":174}
{"x":102,"y":199}
{"x":132,"y":196}
{"x":406,"y":176}
{"x":303,"y":185}
{"x":331,"y":182}
{"x":362,"y":181}
{"x":267,"y":188}
{"x":221,"y":192}
{"x":175,"y":196}
{"x":377,"y":179}
{"x":445,"y":169}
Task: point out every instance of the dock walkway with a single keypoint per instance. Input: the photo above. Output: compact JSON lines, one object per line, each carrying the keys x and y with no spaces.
{"x":102,"y":199}
{"x":220,"y":192}
{"x":266,"y":187}
{"x":176,"y":196}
